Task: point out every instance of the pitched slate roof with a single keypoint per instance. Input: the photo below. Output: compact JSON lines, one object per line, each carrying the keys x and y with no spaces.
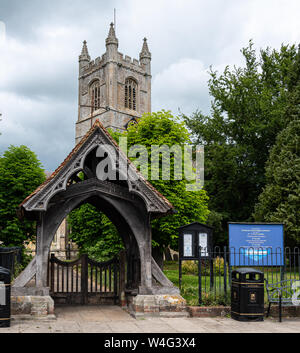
{"x":97,"y":125}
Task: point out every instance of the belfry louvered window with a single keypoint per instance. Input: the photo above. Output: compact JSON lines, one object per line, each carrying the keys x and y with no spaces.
{"x":130,"y":94}
{"x":95,"y":95}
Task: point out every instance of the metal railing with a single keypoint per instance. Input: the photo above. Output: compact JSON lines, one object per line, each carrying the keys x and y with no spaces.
{"x":214,"y":271}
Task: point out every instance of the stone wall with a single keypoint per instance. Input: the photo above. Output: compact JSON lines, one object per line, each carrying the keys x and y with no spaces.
{"x":215,"y":311}
{"x":32,"y":306}
{"x":111,"y":71}
{"x":158,"y":306}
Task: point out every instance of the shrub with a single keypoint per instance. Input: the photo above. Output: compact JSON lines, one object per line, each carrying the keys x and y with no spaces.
{"x":219,"y":266}
{"x":210,"y":298}
{"x":189,"y":267}
{"x":213,"y":299}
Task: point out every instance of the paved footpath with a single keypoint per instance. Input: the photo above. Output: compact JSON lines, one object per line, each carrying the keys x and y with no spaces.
{"x":112,"y":319}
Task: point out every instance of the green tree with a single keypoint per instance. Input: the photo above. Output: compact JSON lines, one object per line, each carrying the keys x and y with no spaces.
{"x":93,"y":232}
{"x":159,"y":129}
{"x":280,"y":199}
{"x":292,"y":111}
{"x":247,"y":112}
{"x":96,"y":235}
{"x":20,"y":174}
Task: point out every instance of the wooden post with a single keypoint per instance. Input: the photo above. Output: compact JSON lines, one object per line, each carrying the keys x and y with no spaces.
{"x":42,"y":255}
{"x":122,"y":274}
{"x":84,"y":279}
{"x":52,"y":273}
{"x":115,"y":274}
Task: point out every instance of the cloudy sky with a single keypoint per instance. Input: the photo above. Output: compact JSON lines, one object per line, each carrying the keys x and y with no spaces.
{"x":40,"y":41}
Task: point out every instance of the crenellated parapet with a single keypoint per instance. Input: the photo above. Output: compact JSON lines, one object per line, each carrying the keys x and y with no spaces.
{"x":113,"y":88}
{"x":122,"y":61}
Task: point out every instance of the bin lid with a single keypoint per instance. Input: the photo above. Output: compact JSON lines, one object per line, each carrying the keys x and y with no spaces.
{"x":248,"y":270}
{"x":4,"y":270}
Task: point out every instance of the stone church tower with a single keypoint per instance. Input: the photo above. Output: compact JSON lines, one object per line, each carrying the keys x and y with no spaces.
{"x":112,"y":88}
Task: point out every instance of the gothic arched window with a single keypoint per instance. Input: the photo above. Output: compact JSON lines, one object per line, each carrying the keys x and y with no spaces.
{"x":130,"y":93}
{"x":95,"y":95}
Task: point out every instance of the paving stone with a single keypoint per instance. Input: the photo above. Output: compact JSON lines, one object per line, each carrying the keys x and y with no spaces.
{"x":123,"y":327}
{"x":113,"y":319}
{"x":67,"y":327}
{"x":154,"y":326}
{"x":95,"y":327}
{"x":36,"y":329}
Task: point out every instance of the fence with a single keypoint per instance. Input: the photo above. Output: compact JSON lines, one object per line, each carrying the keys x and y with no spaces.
{"x":215,"y":269}
{"x":83,"y":281}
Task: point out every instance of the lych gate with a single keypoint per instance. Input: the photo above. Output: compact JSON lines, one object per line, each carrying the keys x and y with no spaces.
{"x":130,"y":204}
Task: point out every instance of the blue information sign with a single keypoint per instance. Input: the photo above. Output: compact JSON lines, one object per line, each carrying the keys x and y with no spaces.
{"x":254,"y":244}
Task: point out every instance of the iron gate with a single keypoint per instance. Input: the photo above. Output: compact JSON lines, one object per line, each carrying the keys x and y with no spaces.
{"x":84,"y":281}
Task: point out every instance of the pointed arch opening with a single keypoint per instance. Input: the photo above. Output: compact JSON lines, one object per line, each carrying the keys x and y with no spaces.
{"x":63,"y":281}
{"x":131,"y":89}
{"x":94,"y":90}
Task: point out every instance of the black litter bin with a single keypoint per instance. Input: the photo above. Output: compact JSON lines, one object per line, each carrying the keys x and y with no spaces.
{"x":9,"y":256}
{"x":4,"y":297}
{"x":247,"y":295}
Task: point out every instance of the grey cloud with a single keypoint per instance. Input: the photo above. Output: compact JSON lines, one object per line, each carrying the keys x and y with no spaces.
{"x":38,"y":86}
{"x":61,"y":87}
{"x":47,"y":127}
{"x":23,"y":17}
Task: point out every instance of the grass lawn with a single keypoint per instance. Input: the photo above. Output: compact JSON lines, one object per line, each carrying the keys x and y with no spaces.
{"x":215,"y":295}
{"x":189,"y":288}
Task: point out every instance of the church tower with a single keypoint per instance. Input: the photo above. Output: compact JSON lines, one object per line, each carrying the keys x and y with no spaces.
{"x":112,"y":88}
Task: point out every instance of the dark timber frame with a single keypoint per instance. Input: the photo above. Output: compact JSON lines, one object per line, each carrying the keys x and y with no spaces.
{"x":84,"y":281}
{"x":130,"y":205}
